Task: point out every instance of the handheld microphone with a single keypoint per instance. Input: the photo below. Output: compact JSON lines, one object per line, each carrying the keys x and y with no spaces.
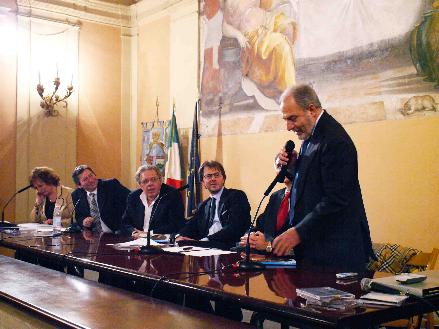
{"x":289,"y":148}
{"x":4,"y":225}
{"x":148,"y":249}
{"x":367,"y":284}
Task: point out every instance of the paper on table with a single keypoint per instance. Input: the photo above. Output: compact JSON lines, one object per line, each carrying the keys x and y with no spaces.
{"x":381,"y":298}
{"x":207,"y":252}
{"x":197,"y":251}
{"x":136,"y":243}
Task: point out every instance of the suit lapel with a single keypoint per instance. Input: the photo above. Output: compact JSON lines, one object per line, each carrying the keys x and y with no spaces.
{"x":84,"y":200}
{"x":222,"y":204}
{"x":101,"y":197}
{"x":310,"y":153}
{"x":204,"y":223}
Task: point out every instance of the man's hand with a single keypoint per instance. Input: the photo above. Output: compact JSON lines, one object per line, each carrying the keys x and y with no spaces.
{"x":136,"y":234}
{"x":243,"y":241}
{"x":257,"y":241}
{"x":88,"y":222}
{"x":283,"y":244}
{"x":49,"y":221}
{"x":183,"y":238}
{"x":282,"y":158}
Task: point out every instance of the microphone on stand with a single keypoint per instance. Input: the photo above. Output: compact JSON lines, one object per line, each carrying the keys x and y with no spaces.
{"x":148,"y":249}
{"x":247,"y":264}
{"x":4,"y":225}
{"x":74,"y":227}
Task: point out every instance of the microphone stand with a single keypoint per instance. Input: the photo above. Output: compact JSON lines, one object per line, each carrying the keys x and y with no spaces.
{"x":148,"y":249}
{"x":153,"y":250}
{"x":10,"y":226}
{"x":247,"y":264}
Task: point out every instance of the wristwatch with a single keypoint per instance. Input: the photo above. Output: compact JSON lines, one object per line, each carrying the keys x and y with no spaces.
{"x":268,"y":248}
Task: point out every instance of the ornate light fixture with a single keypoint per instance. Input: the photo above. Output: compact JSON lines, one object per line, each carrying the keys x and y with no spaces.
{"x":49,"y":101}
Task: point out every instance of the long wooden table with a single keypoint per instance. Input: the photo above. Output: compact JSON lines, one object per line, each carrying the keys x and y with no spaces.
{"x":271,"y":293}
{"x":68,"y":301}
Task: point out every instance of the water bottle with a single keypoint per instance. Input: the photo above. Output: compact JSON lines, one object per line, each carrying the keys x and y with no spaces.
{"x":57,"y":219}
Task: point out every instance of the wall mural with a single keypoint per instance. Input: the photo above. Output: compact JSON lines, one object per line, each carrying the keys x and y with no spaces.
{"x":369,"y":60}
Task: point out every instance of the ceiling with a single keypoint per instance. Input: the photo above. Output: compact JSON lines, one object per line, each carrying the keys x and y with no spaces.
{"x":121,"y":2}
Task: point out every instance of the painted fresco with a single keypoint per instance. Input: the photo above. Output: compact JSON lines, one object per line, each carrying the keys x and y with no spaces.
{"x":369,"y":60}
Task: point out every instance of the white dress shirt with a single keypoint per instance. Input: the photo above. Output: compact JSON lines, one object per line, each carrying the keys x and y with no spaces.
{"x":148,"y":211}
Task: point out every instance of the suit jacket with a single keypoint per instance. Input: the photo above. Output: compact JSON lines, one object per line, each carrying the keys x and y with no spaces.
{"x":64,"y":199}
{"x":266,"y":222}
{"x":329,"y":212}
{"x":111,"y":198}
{"x":233,"y":213}
{"x":167,"y":212}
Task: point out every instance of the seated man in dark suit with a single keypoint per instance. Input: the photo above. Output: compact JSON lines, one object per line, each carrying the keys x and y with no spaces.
{"x":224,"y":217}
{"x":99,"y":204}
{"x":272,"y":222}
{"x":154,"y":204}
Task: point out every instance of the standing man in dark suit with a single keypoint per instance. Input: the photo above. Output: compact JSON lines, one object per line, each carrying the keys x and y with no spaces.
{"x":224,"y":217}
{"x":328,"y":224}
{"x":99,"y":204}
{"x":154,"y":204}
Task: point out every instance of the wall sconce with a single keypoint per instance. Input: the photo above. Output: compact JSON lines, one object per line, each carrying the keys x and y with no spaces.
{"x":49,"y":101}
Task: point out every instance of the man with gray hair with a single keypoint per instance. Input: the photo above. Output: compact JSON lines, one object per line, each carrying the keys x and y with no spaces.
{"x":327,"y":219}
{"x":154,"y":205}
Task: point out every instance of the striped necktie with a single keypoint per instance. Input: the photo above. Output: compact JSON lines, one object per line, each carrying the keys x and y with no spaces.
{"x":94,"y":212}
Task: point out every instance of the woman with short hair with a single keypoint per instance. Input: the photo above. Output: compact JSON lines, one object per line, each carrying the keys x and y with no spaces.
{"x":50,"y":194}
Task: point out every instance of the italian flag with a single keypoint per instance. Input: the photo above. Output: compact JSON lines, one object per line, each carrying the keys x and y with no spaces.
{"x":173,"y":165}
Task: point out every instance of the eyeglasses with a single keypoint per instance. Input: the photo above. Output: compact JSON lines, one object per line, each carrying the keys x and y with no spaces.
{"x":151,"y":180}
{"x":210,"y":176}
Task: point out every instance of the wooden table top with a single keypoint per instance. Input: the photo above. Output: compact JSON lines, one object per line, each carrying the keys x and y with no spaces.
{"x":272,"y":291}
{"x":76,"y":302}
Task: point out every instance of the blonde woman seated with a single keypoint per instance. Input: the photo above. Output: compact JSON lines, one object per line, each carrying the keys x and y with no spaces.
{"x":50,"y":194}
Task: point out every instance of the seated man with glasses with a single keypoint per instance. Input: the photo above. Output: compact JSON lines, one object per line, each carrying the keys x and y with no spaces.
{"x":154,"y":204}
{"x":224,"y":217}
{"x":99,"y":204}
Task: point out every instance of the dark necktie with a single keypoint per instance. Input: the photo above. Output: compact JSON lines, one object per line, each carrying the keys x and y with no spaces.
{"x":212,"y":209}
{"x":282,"y":213}
{"x":94,"y":212}
{"x":296,"y":181}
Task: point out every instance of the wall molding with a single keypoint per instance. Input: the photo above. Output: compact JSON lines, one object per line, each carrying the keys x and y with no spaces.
{"x":74,"y":11}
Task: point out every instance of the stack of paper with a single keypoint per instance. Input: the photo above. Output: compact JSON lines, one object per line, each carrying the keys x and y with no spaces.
{"x":381,"y":299}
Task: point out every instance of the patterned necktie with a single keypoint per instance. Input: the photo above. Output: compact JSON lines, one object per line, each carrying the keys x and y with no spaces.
{"x":282,"y":213}
{"x":296,"y":181}
{"x":94,"y":212}
{"x":212,"y":209}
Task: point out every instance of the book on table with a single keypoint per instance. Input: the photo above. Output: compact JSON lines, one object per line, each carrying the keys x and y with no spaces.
{"x":324,"y":294}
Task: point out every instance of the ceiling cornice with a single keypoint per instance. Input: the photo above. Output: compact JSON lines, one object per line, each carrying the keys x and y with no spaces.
{"x":148,"y":10}
{"x":74,"y":11}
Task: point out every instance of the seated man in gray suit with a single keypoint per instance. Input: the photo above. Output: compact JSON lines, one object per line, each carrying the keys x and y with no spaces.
{"x":224,"y":217}
{"x":99,"y":204}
